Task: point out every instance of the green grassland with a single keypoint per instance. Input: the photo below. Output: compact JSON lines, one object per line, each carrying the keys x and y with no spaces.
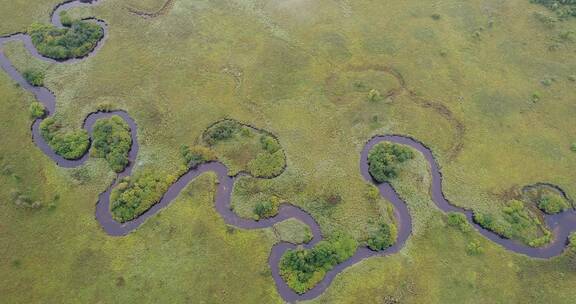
{"x":486,"y":84}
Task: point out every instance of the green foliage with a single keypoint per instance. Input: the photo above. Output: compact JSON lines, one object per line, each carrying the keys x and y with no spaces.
{"x":70,"y":145}
{"x":552,"y":203}
{"x":302,"y":269}
{"x":269,"y":144}
{"x":221,"y":131}
{"x":76,"y":40}
{"x":266,"y":209}
{"x":37,"y":110}
{"x":112,"y":141}
{"x":384,"y":158}
{"x":474,"y":248}
{"x":133,"y":196}
{"x":267,"y":164}
{"x":383,"y":238}
{"x":517,"y":223}
{"x":65,"y":19}
{"x":293,"y":231}
{"x":196,"y":155}
{"x":458,"y":220}
{"x":374,"y":95}
{"x":563,"y":8}
{"x":573,"y":147}
{"x":34,"y":77}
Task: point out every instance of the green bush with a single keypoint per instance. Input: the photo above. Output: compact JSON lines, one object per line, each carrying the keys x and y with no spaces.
{"x":133,"y":196}
{"x":65,"y":19}
{"x":474,"y":248}
{"x":553,"y":203}
{"x":265,"y":209}
{"x":37,"y":110}
{"x":76,"y":40}
{"x":196,"y":155}
{"x":267,"y":165}
{"x":383,"y":238}
{"x":374,"y":95}
{"x":221,"y":131}
{"x":71,"y":145}
{"x":458,"y":220}
{"x":112,"y":141}
{"x":34,"y":77}
{"x":269,"y":144}
{"x":384,"y":158}
{"x":573,"y":147}
{"x":302,"y":269}
{"x":563,"y":8}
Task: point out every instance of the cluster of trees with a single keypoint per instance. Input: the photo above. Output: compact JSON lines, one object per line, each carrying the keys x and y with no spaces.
{"x":76,"y":40}
{"x":552,"y":203}
{"x":384,"y":158}
{"x":37,"y":110}
{"x":70,"y":145}
{"x":34,"y":77}
{"x":112,"y":141}
{"x":564,"y":8}
{"x":221,"y":131}
{"x":302,"y":269}
{"x":267,"y":164}
{"x":517,"y":223}
{"x":382,"y":238}
{"x":196,"y":155}
{"x":133,"y":196}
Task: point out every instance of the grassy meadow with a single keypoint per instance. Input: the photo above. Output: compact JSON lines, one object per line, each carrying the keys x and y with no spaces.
{"x":486,"y":84}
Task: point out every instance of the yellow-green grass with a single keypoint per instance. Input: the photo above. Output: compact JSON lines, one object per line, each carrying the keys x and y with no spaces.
{"x":17,"y":15}
{"x":269,"y":64}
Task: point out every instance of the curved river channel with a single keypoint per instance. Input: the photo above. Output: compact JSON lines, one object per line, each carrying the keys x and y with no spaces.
{"x":561,"y":224}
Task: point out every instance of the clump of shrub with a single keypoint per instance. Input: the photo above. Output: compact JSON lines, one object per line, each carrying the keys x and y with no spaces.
{"x":76,"y":40}
{"x":562,"y":8}
{"x":196,"y":155}
{"x":267,"y":164}
{"x":37,"y":110}
{"x":112,"y":141}
{"x":69,"y":145}
{"x":384,"y":158}
{"x":474,"y":248}
{"x":517,"y":223}
{"x":552,"y":203}
{"x":221,"y":131}
{"x":34,"y":77}
{"x":133,"y":196}
{"x":458,"y":220}
{"x":269,"y":144}
{"x":266,"y":209}
{"x":65,"y":19}
{"x":573,"y":147}
{"x":302,"y":269}
{"x":382,"y":238}
{"x":374,"y":95}
{"x":23,"y":200}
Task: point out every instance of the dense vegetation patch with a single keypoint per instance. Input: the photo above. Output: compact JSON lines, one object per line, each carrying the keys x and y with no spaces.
{"x":69,"y":145}
{"x":518,"y":223}
{"x":458,"y":220}
{"x":37,"y":110}
{"x":302,"y":269}
{"x":133,"y":196}
{"x":564,"y":8}
{"x":112,"y":141}
{"x":196,"y":155}
{"x":384,"y":159}
{"x":34,"y":77}
{"x":553,"y":203}
{"x":383,"y":237}
{"x":77,"y":39}
{"x":266,"y":209}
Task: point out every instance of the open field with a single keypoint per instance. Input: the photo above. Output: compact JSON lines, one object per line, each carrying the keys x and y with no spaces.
{"x":486,"y":84}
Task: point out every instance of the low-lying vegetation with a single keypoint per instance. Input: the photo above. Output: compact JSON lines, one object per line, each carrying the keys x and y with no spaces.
{"x":302,"y":269}
{"x":112,"y":141}
{"x":196,"y":155}
{"x":518,"y":223}
{"x":134,"y":195}
{"x":37,"y":110}
{"x":69,"y":145}
{"x":553,"y":203}
{"x":563,"y":8}
{"x":385,"y":158}
{"x":245,"y":148}
{"x":266,"y":209}
{"x":458,"y":220}
{"x":293,"y":231}
{"x":34,"y":77}
{"x":383,"y":237}
{"x":76,"y":40}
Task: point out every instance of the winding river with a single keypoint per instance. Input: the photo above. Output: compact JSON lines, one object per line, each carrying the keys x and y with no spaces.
{"x":561,"y":224}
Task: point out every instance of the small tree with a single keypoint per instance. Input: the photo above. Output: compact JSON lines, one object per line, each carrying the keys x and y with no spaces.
{"x":374,"y":95}
{"x":37,"y":110}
